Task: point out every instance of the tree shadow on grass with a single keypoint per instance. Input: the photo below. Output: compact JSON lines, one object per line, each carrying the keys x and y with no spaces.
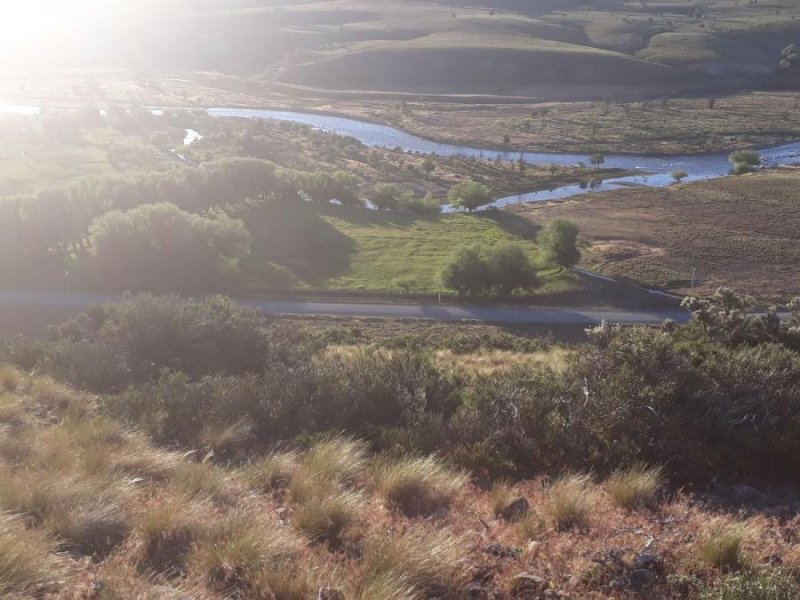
{"x":297,"y":238}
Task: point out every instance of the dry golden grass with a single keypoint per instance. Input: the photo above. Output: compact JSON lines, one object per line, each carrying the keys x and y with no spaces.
{"x":430,"y":558}
{"x":154,"y":522}
{"x":571,"y":499}
{"x":27,"y":558}
{"x":722,"y":543}
{"x":481,"y":362}
{"x":635,"y":486}
{"x":271,"y":472}
{"x":418,"y":486}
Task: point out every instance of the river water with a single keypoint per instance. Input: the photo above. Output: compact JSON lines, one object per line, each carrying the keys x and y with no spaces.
{"x":655,"y":170}
{"x":652,"y":170}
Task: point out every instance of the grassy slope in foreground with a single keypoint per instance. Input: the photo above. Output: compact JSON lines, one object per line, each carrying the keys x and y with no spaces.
{"x":740,"y":232}
{"x":79,"y":486}
{"x":355,"y":249}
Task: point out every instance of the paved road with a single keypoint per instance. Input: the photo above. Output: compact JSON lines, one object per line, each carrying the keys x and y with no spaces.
{"x":522,"y":315}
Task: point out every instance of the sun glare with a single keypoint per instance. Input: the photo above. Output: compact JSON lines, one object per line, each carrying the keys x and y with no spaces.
{"x":22,"y":20}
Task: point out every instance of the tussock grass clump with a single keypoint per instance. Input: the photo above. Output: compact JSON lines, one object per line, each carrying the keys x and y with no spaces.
{"x":570,"y":501}
{"x":386,"y":586}
{"x":27,"y":558}
{"x":10,"y":378}
{"x":418,"y":486}
{"x":530,"y":527}
{"x":635,"y":486}
{"x":93,"y":529}
{"x":427,"y":557}
{"x":339,"y":459}
{"x":722,"y":544}
{"x":500,"y":496}
{"x":167,"y":530}
{"x":325,"y":518}
{"x":271,"y":472}
{"x":202,"y":481}
{"x":240,"y":546}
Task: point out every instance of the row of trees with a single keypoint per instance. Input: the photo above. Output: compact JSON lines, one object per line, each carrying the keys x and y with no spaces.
{"x":506,"y":268}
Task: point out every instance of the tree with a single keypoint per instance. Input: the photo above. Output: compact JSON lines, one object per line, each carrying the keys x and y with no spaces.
{"x":385,"y":196}
{"x":677,"y":176}
{"x":597,"y":159}
{"x":510,"y":269}
{"x":469,"y":195}
{"x":480,"y":270}
{"x":744,"y":161}
{"x":161,"y":248}
{"x":558,"y":243}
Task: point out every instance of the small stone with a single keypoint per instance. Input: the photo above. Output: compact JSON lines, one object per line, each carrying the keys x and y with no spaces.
{"x":501,"y":551}
{"x":745,"y":495}
{"x":641,"y":578}
{"x":650,"y":562}
{"x":475,"y":591}
{"x":517,"y":510}
{"x":330,"y":594}
{"x":527,"y":582}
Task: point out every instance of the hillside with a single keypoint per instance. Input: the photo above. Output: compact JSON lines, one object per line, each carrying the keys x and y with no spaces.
{"x":502,"y":48}
{"x":739,"y":232}
{"x":166,"y":450}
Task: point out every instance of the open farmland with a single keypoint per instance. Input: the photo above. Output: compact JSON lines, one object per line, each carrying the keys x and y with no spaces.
{"x":740,"y":232}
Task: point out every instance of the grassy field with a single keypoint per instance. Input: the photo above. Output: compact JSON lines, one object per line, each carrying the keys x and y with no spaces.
{"x":337,"y":247}
{"x":739,"y":232}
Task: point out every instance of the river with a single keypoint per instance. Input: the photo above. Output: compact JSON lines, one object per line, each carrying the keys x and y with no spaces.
{"x":655,"y":170}
{"x":652,"y":170}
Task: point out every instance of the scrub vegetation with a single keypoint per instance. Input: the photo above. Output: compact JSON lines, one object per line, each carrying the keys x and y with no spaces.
{"x":159,"y":447}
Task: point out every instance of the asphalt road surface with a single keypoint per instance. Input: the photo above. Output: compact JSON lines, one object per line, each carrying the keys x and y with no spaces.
{"x":520,"y":315}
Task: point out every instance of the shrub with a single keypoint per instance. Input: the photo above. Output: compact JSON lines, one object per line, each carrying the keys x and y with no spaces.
{"x":161,"y":248}
{"x":570,"y":501}
{"x":635,"y":486}
{"x":418,"y":486}
{"x":107,"y":348}
{"x":779,"y":584}
{"x":500,"y":269}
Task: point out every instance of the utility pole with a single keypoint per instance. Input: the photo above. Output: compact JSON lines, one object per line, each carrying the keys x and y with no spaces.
{"x":694,"y":272}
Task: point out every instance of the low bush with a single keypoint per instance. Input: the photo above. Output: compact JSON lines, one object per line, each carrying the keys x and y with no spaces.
{"x":779,"y":584}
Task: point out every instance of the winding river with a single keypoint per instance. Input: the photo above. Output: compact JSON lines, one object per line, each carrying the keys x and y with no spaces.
{"x":653,"y":170}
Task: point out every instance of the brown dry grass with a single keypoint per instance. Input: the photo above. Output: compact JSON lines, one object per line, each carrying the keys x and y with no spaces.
{"x":739,"y":232}
{"x":212,"y":532}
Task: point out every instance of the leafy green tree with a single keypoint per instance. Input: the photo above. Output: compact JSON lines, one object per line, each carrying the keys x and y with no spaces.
{"x":678,"y":176}
{"x":510,"y":269}
{"x":159,"y":247}
{"x":744,"y":161}
{"x":469,"y":195}
{"x":479,"y":271}
{"x":467,"y":272}
{"x":558,"y":243}
{"x":385,"y":196}
{"x":597,"y":160}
